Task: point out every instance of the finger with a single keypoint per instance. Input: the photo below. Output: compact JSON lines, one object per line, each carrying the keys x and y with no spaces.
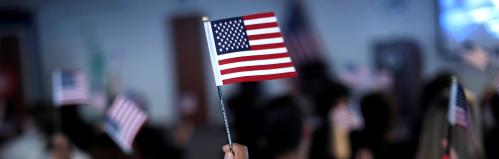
{"x":226,"y":148}
{"x":444,"y":143}
{"x":229,"y":155}
{"x":238,"y":148}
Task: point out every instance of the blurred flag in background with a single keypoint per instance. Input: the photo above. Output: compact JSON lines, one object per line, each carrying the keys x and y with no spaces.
{"x":304,"y":46}
{"x":125,"y":119}
{"x":70,"y":87}
{"x":458,"y":108}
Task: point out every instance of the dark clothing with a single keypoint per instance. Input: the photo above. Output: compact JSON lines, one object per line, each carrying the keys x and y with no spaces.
{"x":150,"y":143}
{"x":319,"y":148}
{"x":492,"y":144}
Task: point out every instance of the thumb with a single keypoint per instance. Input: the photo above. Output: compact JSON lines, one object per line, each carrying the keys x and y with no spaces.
{"x":229,"y":155}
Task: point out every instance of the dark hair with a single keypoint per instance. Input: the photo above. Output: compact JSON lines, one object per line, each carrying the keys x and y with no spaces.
{"x":494,"y":104}
{"x":378,"y":112}
{"x":329,"y":96}
{"x":282,"y":128}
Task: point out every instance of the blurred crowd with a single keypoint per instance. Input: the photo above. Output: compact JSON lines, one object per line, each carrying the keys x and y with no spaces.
{"x":318,"y":118}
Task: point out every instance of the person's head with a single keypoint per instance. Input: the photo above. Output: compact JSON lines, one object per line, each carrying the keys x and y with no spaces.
{"x":329,"y":96}
{"x":250,"y":89}
{"x":312,"y":77}
{"x":282,"y":128}
{"x":44,"y":118}
{"x":378,"y":112}
{"x":60,"y":147}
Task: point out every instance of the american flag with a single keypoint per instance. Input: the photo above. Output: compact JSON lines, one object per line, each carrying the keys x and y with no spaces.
{"x":70,"y":87}
{"x":248,"y":48}
{"x":304,"y":45}
{"x":125,"y":119}
{"x":458,"y":107}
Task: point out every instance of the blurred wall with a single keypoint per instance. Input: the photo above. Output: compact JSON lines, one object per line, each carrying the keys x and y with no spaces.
{"x":139,"y":30}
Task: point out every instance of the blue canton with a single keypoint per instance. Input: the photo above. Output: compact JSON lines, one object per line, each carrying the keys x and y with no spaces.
{"x":67,"y":79}
{"x":230,"y":35}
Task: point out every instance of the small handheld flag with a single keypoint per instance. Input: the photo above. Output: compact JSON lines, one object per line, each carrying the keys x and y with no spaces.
{"x":244,"y":49}
{"x":458,"y":107}
{"x":247,"y":48}
{"x":69,"y":87}
{"x":125,"y":119}
{"x":457,"y":112}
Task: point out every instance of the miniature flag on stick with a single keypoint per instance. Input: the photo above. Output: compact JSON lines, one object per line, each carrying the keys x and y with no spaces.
{"x":69,"y":87}
{"x":247,"y":48}
{"x":125,"y":119}
{"x":457,"y":112}
{"x":458,"y":107}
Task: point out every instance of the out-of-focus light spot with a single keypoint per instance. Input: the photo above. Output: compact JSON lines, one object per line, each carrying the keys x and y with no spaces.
{"x":455,"y":22}
{"x":446,"y":4}
{"x":496,"y":3}
{"x":482,"y":14}
{"x":477,"y":3}
{"x":493,"y":27}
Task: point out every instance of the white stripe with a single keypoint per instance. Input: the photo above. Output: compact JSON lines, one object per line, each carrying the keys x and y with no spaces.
{"x":255,"y":63}
{"x":263,"y":31}
{"x":266,"y":41}
{"x":135,"y":126}
{"x":452,"y":103}
{"x":122,"y":115}
{"x":114,"y":108}
{"x":213,"y":53}
{"x":252,"y":53}
{"x":130,"y":124}
{"x":260,"y":20}
{"x":258,"y":72}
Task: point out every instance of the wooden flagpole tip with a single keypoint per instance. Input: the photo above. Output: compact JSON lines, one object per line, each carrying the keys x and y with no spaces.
{"x":205,"y":19}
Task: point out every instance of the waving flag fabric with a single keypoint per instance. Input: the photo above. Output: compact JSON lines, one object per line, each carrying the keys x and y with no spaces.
{"x":301,"y":38}
{"x":125,"y":119}
{"x":248,"y":48}
{"x":458,"y":107}
{"x":69,"y":87}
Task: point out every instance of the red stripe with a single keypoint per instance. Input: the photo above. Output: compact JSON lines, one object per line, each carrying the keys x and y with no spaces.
{"x":259,"y":15}
{"x":264,"y":36}
{"x":259,"y":78}
{"x":267,"y":46}
{"x":259,"y":67}
{"x":261,"y":26}
{"x":251,"y":58}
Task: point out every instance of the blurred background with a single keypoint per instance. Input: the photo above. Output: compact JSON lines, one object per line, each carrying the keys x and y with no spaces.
{"x":374,"y":78}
